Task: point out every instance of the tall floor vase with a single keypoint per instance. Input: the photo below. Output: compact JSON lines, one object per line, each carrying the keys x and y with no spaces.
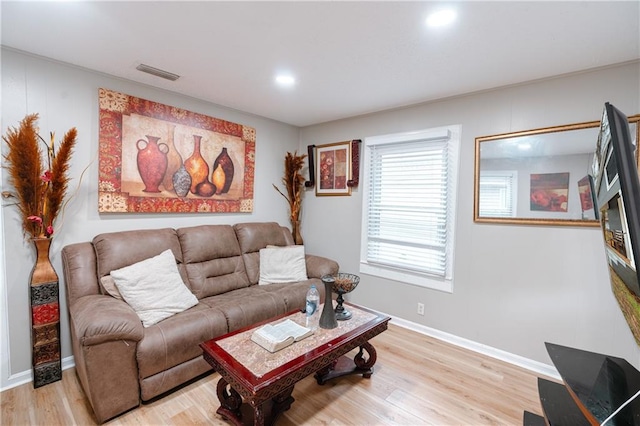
{"x":295,"y":231}
{"x":45,"y":318}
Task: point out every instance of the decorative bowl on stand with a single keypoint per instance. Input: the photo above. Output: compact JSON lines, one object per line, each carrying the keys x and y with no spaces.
{"x":343,"y":283}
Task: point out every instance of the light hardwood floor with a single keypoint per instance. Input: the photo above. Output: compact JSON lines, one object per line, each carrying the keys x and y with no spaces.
{"x":417,"y":380}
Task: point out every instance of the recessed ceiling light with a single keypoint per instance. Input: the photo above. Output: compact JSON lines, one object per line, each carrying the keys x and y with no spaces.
{"x":441,"y":18}
{"x":285,"y":80}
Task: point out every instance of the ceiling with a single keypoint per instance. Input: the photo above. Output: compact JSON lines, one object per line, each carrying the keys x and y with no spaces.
{"x":348,"y":58}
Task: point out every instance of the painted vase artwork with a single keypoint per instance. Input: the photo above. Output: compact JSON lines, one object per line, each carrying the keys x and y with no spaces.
{"x":187,"y":162}
{"x":152,"y":162}
{"x":181,"y":181}
{"x":174,"y":160}
{"x":196,"y":165}
{"x":222,"y":172}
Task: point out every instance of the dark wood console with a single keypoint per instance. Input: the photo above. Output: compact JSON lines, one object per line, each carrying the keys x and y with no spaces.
{"x":595,"y":386}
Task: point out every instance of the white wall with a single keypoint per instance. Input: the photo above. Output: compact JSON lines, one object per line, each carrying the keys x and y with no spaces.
{"x":515,"y":287}
{"x":65,"y":97}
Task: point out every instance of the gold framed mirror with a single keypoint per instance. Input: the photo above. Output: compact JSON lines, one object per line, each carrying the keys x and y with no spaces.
{"x":538,"y":177}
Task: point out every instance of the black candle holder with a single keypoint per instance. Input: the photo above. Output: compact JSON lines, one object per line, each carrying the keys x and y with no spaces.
{"x":328,"y":317}
{"x":344,"y":283}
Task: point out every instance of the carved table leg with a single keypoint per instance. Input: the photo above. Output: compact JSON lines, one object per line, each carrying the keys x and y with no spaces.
{"x":281,"y":402}
{"x":344,"y":366}
{"x":366,"y":364}
{"x":253,"y":412}
{"x":266,"y":412}
{"x":326,"y":370}
{"x":230,"y":402}
{"x":284,"y":400}
{"x":258,"y":414}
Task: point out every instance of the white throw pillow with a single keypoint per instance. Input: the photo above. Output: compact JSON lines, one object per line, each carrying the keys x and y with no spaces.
{"x":282,"y":265}
{"x":154,"y":288}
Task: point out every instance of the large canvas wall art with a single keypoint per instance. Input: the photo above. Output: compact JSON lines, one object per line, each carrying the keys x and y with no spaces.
{"x":161,"y":159}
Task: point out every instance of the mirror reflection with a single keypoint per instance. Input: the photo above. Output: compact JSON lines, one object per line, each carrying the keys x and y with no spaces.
{"x":538,"y":176}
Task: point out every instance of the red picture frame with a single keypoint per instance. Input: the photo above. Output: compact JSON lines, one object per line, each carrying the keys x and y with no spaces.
{"x":549,"y":192}
{"x":333,"y":169}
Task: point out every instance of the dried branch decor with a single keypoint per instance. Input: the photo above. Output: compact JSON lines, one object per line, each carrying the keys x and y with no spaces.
{"x":294,"y":183}
{"x":40,"y":188}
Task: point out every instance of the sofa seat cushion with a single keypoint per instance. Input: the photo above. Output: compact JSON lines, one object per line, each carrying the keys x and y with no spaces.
{"x":176,"y":339}
{"x":247,"y":306}
{"x":294,"y":294}
{"x":212,"y":258}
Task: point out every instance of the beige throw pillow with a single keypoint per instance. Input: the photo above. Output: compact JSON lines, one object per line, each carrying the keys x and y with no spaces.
{"x":282,"y":265}
{"x":154,"y":288}
{"x":109,"y":287}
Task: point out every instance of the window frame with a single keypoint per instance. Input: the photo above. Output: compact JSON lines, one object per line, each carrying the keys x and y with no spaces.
{"x":453,"y":135}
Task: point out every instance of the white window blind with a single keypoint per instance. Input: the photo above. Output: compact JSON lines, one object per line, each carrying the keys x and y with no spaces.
{"x":410,"y":200}
{"x":498,"y":193}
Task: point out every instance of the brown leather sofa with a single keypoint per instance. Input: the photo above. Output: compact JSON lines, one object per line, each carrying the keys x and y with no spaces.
{"x":118,"y":361}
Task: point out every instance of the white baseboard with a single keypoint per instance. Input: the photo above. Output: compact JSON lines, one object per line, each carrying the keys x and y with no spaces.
{"x":27,"y":375}
{"x":529,"y":364}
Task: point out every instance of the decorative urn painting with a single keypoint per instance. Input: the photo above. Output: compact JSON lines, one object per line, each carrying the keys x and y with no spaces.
{"x":586,"y":198}
{"x":162,"y":159}
{"x":333,"y":169}
{"x":549,"y":192}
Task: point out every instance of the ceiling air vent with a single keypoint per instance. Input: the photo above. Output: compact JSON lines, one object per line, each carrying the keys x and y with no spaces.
{"x":157,"y":72}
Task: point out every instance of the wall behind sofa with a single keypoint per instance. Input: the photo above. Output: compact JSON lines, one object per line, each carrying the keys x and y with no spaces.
{"x":515,"y":287}
{"x":65,"y":97}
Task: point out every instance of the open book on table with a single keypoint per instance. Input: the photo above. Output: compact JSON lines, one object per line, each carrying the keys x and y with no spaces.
{"x":274,"y":337}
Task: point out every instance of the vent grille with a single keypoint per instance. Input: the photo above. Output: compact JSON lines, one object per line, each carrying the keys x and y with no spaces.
{"x":158,"y":72}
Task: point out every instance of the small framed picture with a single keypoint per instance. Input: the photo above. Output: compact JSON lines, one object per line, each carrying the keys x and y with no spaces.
{"x":333,"y":168}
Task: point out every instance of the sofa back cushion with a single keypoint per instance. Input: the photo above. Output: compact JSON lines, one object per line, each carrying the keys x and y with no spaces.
{"x":255,"y":236}
{"x":212,"y":259}
{"x":116,"y":250}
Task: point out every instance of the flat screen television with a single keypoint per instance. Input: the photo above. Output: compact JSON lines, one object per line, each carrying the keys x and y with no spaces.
{"x":617,"y":198}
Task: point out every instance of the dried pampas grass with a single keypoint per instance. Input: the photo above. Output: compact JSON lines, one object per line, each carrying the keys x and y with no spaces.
{"x":39,"y":188}
{"x":293,"y":182}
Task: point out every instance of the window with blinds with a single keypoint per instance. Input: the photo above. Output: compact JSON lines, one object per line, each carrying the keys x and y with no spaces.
{"x":409,"y":212}
{"x":498,"y":193}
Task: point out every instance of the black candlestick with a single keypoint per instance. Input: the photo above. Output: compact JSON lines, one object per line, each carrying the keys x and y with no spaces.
{"x":328,"y":317}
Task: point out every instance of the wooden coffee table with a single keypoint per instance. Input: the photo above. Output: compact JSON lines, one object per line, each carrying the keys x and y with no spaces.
{"x":256,"y":385}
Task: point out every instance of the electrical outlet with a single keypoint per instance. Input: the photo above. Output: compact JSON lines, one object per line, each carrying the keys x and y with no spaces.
{"x":420,"y":308}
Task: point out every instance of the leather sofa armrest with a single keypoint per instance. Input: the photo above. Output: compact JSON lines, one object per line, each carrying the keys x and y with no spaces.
{"x":317,"y":266}
{"x":100,"y":318}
